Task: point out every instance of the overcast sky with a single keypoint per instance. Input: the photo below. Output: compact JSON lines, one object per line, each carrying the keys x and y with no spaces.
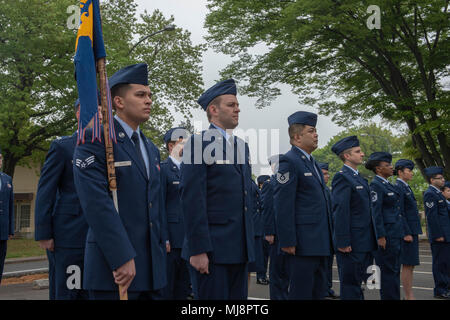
{"x":190,"y":15}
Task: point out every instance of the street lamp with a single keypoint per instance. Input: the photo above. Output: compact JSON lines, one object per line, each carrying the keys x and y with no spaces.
{"x":170,"y":27}
{"x":373,"y":135}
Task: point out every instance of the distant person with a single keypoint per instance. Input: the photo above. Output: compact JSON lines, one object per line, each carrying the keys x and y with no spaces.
{"x":6,"y":213}
{"x":388,"y":212}
{"x":409,"y":257}
{"x":438,"y":224}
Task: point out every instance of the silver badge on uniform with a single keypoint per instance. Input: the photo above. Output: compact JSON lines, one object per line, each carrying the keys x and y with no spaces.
{"x":429,"y":204}
{"x":374,"y":196}
{"x":283,"y":177}
{"x":82,"y":164}
{"x":121,"y":135}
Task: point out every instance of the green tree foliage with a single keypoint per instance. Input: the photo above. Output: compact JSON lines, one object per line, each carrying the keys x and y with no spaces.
{"x":372,"y":138}
{"x":324,"y":50}
{"x":37,"y":72}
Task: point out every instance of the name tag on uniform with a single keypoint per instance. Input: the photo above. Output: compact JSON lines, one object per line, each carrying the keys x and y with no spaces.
{"x":359,"y":187}
{"x":122,"y":164}
{"x":176,"y":182}
{"x":390,"y":194}
{"x":308,"y":174}
{"x":222,"y":161}
{"x":441,"y":201}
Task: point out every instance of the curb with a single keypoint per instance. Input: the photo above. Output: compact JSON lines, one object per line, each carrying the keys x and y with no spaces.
{"x":29,"y":259}
{"x":16,"y":274}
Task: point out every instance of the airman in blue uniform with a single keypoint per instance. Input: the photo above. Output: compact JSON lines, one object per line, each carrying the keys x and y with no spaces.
{"x":124,"y":247}
{"x":446,"y":193}
{"x":6,"y":213}
{"x":279,"y":261}
{"x":216,"y":199}
{"x":258,"y":227}
{"x":387,"y":208}
{"x":178,"y":280}
{"x":409,"y":256}
{"x":354,"y":224}
{"x":60,"y":226}
{"x":261,"y":276}
{"x":303,"y":211}
{"x":330,"y":294}
{"x":438,"y":224}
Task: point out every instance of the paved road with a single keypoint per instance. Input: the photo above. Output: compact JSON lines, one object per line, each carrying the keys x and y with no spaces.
{"x":423,"y":282}
{"x":29,"y":267}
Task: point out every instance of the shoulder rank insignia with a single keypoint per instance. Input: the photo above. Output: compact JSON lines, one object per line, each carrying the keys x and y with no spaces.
{"x":86,"y":163}
{"x":283,"y":177}
{"x":374,"y":196}
{"x":429,"y":204}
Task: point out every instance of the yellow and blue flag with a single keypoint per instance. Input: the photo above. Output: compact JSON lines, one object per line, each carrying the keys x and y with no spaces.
{"x":89,"y":48}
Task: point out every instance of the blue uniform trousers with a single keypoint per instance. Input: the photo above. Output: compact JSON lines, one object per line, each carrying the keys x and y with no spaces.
{"x":266,"y":250}
{"x":63,"y":259}
{"x":224,"y":282}
{"x":177,"y":276}
{"x":389,"y":262}
{"x":258,"y":264}
{"x":330,"y":290}
{"x":278,"y":273}
{"x":132,"y":295}
{"x":353,"y":267}
{"x":308,"y":277}
{"x":51,"y":275}
{"x":3,"y":246}
{"x":440,"y":252}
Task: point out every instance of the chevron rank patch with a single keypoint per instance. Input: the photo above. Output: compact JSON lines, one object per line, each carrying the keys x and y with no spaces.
{"x":374,"y":196}
{"x":429,"y":204}
{"x":83,"y":164}
{"x":283,"y":177}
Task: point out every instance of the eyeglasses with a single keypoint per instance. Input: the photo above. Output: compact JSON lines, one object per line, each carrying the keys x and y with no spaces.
{"x":438,"y":178}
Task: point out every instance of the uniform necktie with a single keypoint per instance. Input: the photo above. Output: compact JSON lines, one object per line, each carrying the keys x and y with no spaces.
{"x":137,"y":147}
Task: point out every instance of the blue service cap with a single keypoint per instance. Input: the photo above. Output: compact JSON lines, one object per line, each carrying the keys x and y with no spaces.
{"x":274,"y":159}
{"x":263,"y":178}
{"x":447,"y":184}
{"x":323,"y":165}
{"x":175,"y":133}
{"x":430,"y":171}
{"x":134,"y":74}
{"x":303,"y":117}
{"x":404,"y":163}
{"x":220,"y":88}
{"x":344,"y":144}
{"x":375,"y":157}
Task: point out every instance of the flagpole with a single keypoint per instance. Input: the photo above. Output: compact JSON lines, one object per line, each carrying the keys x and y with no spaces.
{"x":112,"y":183}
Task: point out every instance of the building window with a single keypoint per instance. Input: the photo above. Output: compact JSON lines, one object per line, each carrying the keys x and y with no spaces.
{"x":22,"y":216}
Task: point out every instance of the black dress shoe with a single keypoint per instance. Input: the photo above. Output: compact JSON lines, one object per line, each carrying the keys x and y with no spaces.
{"x":262,"y":281}
{"x":332,"y":296}
{"x":445,"y":296}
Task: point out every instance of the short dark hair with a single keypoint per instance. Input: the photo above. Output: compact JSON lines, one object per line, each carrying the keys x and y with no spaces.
{"x":295,"y":128}
{"x":216,"y":102}
{"x":372,"y":165}
{"x":397,"y":169}
{"x":433,"y":176}
{"x":119,"y":90}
